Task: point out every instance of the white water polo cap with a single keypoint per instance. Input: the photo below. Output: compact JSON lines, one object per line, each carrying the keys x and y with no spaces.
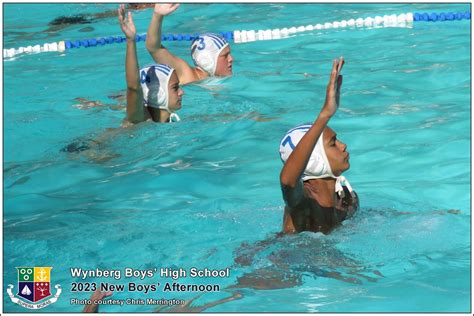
{"x":206,"y":49}
{"x":318,"y":164}
{"x":154,"y":80}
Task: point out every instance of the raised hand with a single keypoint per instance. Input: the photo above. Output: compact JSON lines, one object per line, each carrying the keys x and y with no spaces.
{"x":126,"y":22}
{"x":333,"y":89}
{"x":166,"y":8}
{"x":98,"y":295}
{"x":93,"y":307}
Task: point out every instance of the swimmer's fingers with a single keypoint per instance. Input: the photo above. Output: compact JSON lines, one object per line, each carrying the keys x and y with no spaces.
{"x":331,"y":87}
{"x":339,"y":82}
{"x":121,"y":17}
{"x":174,"y":7}
{"x":338,"y":89}
{"x":331,"y":103}
{"x":126,"y":23}
{"x":340,"y":64}
{"x":339,"y":76}
{"x":334,"y":73}
{"x":166,"y":8}
{"x":109,"y":293}
{"x":130,"y":20}
{"x":334,"y":69}
{"x":334,"y":81}
{"x":120,"y":13}
{"x":98,"y":295}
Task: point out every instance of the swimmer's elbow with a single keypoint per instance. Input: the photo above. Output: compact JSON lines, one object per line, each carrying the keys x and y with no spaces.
{"x":133,"y":87}
{"x":287,"y":181}
{"x":160,"y":55}
{"x":134,"y":119}
{"x":153,"y":48}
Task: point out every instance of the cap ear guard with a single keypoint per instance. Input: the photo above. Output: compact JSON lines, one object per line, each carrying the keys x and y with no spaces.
{"x":161,"y":96}
{"x":201,"y":56}
{"x":205,"y":62}
{"x":318,"y":165}
{"x":205,"y":51}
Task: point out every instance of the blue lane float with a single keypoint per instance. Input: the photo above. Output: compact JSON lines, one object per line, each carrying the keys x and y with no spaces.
{"x":69,"y":44}
{"x":440,"y":17}
{"x":244,"y":36}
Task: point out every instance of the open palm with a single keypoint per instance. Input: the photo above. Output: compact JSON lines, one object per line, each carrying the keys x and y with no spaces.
{"x":333,"y":89}
{"x":166,"y":8}
{"x":126,"y":23}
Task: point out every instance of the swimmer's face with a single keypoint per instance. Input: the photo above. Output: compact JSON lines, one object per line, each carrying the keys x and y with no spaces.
{"x":175,"y":93}
{"x":224,"y":63}
{"x":336,"y":152}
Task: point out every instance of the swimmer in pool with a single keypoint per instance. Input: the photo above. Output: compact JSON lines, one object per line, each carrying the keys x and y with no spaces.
{"x":153,"y":92}
{"x":210,"y":52}
{"x":64,"y":21}
{"x":317,"y":197}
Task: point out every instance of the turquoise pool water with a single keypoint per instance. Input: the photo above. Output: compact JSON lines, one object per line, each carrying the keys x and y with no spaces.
{"x":205,"y":192}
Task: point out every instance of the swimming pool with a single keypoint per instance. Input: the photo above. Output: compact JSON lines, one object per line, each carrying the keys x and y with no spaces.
{"x":191,"y":193}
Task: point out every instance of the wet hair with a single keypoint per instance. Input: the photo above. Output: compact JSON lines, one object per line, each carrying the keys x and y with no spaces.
{"x":78,"y":145}
{"x":140,"y":6}
{"x":69,"y":20}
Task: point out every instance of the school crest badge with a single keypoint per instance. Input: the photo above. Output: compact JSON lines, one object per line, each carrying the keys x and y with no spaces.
{"x":34,"y":286}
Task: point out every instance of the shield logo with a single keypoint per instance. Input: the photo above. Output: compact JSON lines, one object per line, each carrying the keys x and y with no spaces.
{"x":34,"y":283}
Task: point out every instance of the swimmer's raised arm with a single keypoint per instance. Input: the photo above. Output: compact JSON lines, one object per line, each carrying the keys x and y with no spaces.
{"x":159,"y":53}
{"x":290,"y":176}
{"x":135,"y":108}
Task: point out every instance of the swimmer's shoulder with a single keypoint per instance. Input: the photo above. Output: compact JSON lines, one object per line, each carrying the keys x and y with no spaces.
{"x":127,"y":124}
{"x":198,"y":75}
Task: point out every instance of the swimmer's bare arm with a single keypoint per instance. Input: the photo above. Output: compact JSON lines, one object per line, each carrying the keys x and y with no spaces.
{"x":290,"y":176}
{"x":158,"y":52}
{"x":135,"y":109}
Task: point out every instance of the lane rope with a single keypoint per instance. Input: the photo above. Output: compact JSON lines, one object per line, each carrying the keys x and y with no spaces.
{"x":244,"y":36}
